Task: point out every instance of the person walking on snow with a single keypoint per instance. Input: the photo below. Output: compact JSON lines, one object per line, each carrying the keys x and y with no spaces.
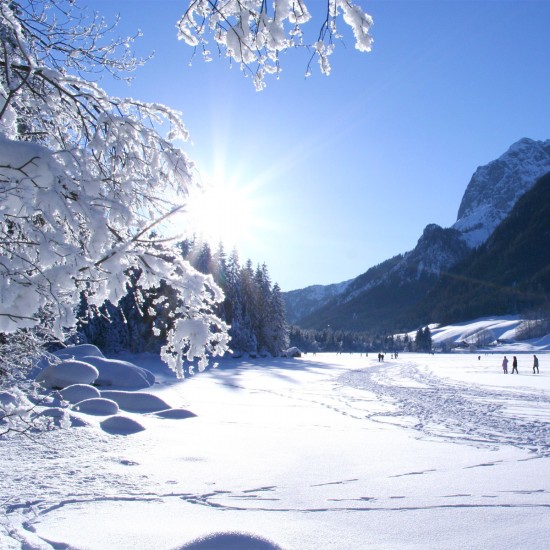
{"x":505,"y":365}
{"x":515,"y":365}
{"x":535,"y":364}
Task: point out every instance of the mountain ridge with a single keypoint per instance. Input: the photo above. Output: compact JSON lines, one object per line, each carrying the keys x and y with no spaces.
{"x":509,"y":273}
{"x":377,"y":298}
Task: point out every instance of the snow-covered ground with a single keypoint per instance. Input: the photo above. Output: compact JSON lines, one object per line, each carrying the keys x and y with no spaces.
{"x":322,"y":452}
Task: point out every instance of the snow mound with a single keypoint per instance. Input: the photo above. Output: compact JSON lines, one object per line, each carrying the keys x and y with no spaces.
{"x":7,"y":398}
{"x":292,"y":352}
{"x":122,"y":374}
{"x":175,"y":414}
{"x":78,"y":352}
{"x":541,"y":344}
{"x":58,"y":417}
{"x":136,"y":402}
{"x":121,"y":425}
{"x":53,"y":412}
{"x":67,"y":373}
{"x":230,"y":541}
{"x":79,"y":392}
{"x":97,"y":405}
{"x":77,"y":422}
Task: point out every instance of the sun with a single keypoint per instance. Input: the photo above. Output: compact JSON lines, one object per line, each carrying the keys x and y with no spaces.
{"x":224,"y":210}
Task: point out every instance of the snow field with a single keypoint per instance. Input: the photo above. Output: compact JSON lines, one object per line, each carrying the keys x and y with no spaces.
{"x":322,"y":452}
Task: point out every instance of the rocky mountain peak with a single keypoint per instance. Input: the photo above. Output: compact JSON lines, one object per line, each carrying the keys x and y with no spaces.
{"x":495,"y":188}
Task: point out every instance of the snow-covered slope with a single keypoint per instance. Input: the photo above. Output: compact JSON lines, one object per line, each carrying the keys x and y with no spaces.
{"x":303,"y":301}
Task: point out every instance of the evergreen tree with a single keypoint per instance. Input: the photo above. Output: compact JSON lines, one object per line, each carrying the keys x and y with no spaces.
{"x":233,"y":309}
{"x":219,"y":266}
{"x":419,"y":340}
{"x":278,"y":327}
{"x":203,"y":261}
{"x":261,"y":311}
{"x":247,"y":334}
{"x":427,"y":339}
{"x":423,"y":339}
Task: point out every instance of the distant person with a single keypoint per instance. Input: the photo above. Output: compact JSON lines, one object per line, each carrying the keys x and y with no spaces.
{"x":535,"y":364}
{"x":505,"y":365}
{"x":515,"y":365}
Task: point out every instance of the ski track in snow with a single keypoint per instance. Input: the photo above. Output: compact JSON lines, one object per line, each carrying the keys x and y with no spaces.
{"x":454,"y":411}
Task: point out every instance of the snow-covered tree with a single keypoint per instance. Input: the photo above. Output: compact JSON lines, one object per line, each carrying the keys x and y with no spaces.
{"x":254,"y":33}
{"x":278,"y":327}
{"x":423,"y":339}
{"x":203,"y":261}
{"x":86,"y":182}
{"x":245,"y":337}
{"x":261,"y":298}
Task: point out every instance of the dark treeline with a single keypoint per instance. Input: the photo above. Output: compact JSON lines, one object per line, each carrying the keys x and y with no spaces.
{"x":253,"y":307}
{"x":312,"y":340}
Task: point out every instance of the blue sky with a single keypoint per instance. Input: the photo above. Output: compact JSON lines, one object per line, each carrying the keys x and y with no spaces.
{"x":335,"y":175}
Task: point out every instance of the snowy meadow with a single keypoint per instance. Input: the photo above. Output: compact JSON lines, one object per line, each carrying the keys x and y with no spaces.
{"x":325,"y":451}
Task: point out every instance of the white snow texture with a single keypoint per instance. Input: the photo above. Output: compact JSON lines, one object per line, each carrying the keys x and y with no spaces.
{"x":320,"y":452}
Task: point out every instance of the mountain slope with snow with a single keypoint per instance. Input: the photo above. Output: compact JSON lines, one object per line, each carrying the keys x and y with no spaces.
{"x":370,"y":302}
{"x":496,"y":187}
{"x":509,"y":273}
{"x":306,"y":300}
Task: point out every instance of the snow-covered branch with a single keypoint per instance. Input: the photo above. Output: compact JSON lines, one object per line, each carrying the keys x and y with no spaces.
{"x":85,"y":178}
{"x":254,"y":35}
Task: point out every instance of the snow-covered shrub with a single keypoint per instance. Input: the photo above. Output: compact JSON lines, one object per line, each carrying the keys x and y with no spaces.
{"x":79,"y":392}
{"x":79,"y":351}
{"x":97,"y":405}
{"x":7,"y":398}
{"x":175,"y":414}
{"x":22,"y":397}
{"x":121,"y":425}
{"x":121,"y":374}
{"x":230,"y":540}
{"x":136,"y":401}
{"x":66,"y":373}
{"x":292,"y":352}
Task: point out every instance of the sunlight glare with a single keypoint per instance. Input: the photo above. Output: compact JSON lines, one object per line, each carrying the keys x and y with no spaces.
{"x":224,"y":211}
